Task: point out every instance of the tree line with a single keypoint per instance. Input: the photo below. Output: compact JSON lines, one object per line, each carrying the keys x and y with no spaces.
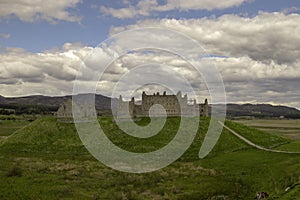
{"x":20,"y":109}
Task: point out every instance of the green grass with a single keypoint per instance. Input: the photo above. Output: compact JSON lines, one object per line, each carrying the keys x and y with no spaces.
{"x":53,"y":164}
{"x":8,"y":127}
{"x":141,"y":145}
{"x":258,"y":137}
{"x":293,"y":146}
{"x":286,"y":128}
{"x":44,"y":135}
{"x":292,"y":192}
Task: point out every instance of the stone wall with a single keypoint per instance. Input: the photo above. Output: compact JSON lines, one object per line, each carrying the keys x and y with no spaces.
{"x":174,"y":105}
{"x":83,"y":111}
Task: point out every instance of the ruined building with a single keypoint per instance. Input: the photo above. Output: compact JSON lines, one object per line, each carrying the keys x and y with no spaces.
{"x":65,"y":112}
{"x":174,"y":105}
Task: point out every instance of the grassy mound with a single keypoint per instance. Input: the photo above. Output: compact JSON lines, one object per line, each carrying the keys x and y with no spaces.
{"x":8,"y":127}
{"x":293,"y":146}
{"x":44,"y":134}
{"x":233,"y":170}
{"x":258,"y":137}
{"x":48,"y":134}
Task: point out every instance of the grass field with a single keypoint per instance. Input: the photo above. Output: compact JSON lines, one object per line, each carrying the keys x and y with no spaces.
{"x":8,"y":127}
{"x":286,"y":128}
{"x":46,"y":160}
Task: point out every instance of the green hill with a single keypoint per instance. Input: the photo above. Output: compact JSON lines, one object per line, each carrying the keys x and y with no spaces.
{"x":46,"y":160}
{"x":47,"y":133}
{"x":43,"y":135}
{"x":258,"y":137}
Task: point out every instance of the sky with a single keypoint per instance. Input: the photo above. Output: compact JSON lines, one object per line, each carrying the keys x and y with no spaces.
{"x":254,"y":45}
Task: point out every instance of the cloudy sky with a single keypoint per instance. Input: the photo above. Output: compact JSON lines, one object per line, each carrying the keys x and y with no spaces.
{"x":254,"y":44}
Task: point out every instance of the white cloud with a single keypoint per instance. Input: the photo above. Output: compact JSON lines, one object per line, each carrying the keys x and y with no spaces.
{"x":246,"y":69}
{"x":52,"y":72}
{"x":119,"y":13}
{"x":29,"y":11}
{"x":146,"y":7}
{"x":17,"y":64}
{"x":258,"y":58}
{"x":266,"y":37}
{"x":197,"y":5}
{"x":5,"y":35}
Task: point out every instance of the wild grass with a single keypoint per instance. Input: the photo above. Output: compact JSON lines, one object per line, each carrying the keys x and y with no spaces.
{"x":8,"y":127}
{"x":258,"y":137}
{"x":287,"y":128}
{"x":55,"y":165}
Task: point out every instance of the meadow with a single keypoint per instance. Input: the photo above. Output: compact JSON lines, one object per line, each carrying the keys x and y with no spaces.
{"x":46,"y":160}
{"x":285,"y":127}
{"x":8,"y":127}
{"x":288,"y":128}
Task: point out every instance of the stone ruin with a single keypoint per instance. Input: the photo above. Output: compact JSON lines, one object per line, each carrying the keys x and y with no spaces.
{"x":170,"y":105}
{"x":174,"y":105}
{"x":64,"y":112}
{"x":83,"y":111}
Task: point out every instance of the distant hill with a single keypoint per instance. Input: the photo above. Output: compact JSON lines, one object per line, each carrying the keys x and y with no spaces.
{"x":261,"y":110}
{"x":103,"y":103}
{"x":40,"y":103}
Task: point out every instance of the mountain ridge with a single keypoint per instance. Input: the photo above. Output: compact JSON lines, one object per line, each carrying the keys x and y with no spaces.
{"x":104,"y":103}
{"x":101,"y":102}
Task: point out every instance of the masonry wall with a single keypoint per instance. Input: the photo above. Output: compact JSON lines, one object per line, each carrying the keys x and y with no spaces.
{"x":171,"y":104}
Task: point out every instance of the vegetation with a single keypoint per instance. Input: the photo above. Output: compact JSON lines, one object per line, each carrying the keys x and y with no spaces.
{"x":8,"y":127}
{"x":293,"y":146}
{"x":46,"y":160}
{"x":258,"y":137}
{"x":261,"y":111}
{"x":284,"y":127}
{"x":20,"y":109}
{"x":15,"y":171}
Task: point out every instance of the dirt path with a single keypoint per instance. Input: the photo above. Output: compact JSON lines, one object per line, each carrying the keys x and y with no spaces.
{"x":252,"y":144}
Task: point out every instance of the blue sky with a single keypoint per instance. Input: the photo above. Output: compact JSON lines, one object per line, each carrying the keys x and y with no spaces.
{"x":94,"y":27}
{"x":254,"y":43}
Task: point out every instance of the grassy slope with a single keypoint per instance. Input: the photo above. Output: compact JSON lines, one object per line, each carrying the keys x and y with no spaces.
{"x":285,"y":128}
{"x":8,"y":127}
{"x":55,"y":165}
{"x":258,"y":137}
{"x":44,"y":135}
{"x":293,"y":146}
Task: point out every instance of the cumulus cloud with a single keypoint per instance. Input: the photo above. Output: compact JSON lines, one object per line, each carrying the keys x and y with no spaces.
{"x":257,"y":57}
{"x":26,"y":69}
{"x":146,"y":7}
{"x":30,"y":11}
{"x":246,"y":69}
{"x":247,"y":80}
{"x":53,"y":72}
{"x":5,"y":35}
{"x":265,"y":37}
